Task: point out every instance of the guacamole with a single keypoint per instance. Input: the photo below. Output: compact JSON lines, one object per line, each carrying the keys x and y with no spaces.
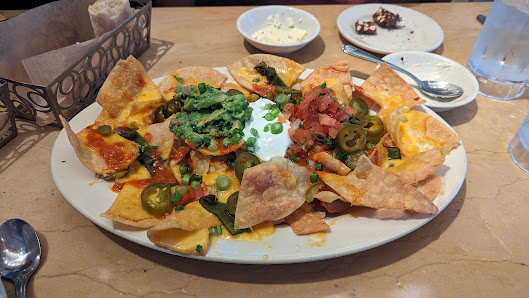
{"x":209,"y":115}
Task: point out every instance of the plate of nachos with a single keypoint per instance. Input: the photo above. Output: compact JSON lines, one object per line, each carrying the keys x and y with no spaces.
{"x":258,"y":162}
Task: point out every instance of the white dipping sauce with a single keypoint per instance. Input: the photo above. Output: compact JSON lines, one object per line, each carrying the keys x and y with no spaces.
{"x":274,"y":32}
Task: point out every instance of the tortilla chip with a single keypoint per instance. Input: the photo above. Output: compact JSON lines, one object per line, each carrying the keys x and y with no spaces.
{"x":331,"y":163}
{"x":385,"y":190}
{"x":337,"y":206}
{"x":305,"y":222}
{"x":245,"y":75}
{"x":270,"y":191}
{"x":327,"y":196}
{"x":351,"y":193}
{"x":416,"y":168}
{"x":128,"y":93}
{"x":389,"y":90}
{"x":338,"y":71}
{"x":225,"y":87}
{"x":430,"y":186}
{"x":191,"y":76}
{"x":161,"y":136}
{"x":127,"y":209}
{"x":419,"y":133}
{"x":184,"y":230}
{"x":92,"y":159}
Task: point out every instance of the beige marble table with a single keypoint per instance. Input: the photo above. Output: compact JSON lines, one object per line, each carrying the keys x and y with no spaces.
{"x":478,"y":246}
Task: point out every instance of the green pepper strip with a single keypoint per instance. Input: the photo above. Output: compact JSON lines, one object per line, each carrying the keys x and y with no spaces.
{"x":288,"y":91}
{"x":373,"y":126}
{"x":211,"y":204}
{"x":351,"y":132}
{"x":312,"y":190}
{"x":162,"y":204}
{"x":145,"y":157}
{"x":360,"y":107}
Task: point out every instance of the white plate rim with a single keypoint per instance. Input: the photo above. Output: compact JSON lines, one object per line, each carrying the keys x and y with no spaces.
{"x":432,"y":104}
{"x":347,"y":18}
{"x":79,"y":195}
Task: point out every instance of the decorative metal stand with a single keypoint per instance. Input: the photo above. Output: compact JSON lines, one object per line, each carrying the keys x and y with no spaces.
{"x":8,"y":129}
{"x":77,"y":86}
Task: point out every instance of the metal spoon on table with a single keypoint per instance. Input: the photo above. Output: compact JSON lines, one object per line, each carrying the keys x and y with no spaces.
{"x":19,"y":253}
{"x":434,"y":89}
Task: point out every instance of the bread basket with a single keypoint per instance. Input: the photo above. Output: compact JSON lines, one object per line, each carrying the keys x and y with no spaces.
{"x":80,"y":82}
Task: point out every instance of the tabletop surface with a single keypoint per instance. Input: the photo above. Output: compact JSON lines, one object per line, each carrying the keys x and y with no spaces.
{"x":476,"y":247}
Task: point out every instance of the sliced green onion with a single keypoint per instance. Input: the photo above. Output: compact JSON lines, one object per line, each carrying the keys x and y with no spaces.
{"x":226,"y":142}
{"x":176,"y":196}
{"x":133,"y":125}
{"x":267,"y":127}
{"x":186,"y":178}
{"x":276,"y":128}
{"x":212,"y":147}
{"x":269,"y":117}
{"x":183,"y":169}
{"x":253,"y":97}
{"x":104,"y":129}
{"x":295,"y":159}
{"x":196,"y":177}
{"x":314,"y":178}
{"x":282,"y":98}
{"x":318,"y":167}
{"x":199,"y":248}
{"x":223,"y":182}
{"x":195,"y":185}
{"x":179,"y":208}
{"x":251,"y":141}
{"x":404,"y":119}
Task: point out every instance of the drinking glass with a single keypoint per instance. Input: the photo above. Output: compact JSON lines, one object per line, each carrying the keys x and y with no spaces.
{"x":519,"y":146}
{"x":500,"y":58}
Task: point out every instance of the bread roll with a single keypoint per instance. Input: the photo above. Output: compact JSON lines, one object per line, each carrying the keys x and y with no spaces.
{"x":107,"y":15}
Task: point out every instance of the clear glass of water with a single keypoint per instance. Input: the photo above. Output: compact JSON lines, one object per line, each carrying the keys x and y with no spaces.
{"x":519,"y":146}
{"x":500,"y":58}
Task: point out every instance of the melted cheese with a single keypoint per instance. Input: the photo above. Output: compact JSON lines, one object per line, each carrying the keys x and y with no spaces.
{"x":251,"y":75}
{"x":316,"y":239}
{"x":257,"y":233}
{"x":222,"y":195}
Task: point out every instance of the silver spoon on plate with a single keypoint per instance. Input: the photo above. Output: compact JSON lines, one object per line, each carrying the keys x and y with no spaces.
{"x":434,"y":89}
{"x":19,"y":253}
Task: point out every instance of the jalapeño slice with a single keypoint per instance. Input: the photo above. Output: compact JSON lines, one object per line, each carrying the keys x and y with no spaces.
{"x":156,"y":199}
{"x":351,"y":138}
{"x":244,"y":161}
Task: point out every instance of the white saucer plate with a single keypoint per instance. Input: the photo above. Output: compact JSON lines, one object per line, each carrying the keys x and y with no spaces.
{"x":433,"y":67}
{"x":416,"y":31}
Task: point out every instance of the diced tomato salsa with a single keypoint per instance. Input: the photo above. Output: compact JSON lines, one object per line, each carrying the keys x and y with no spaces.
{"x":317,"y":116}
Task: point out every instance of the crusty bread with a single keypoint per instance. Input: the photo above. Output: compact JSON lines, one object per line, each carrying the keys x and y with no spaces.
{"x":107,"y":15}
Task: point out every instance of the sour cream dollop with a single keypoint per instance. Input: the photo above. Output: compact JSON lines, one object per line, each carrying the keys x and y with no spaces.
{"x":268,"y":144}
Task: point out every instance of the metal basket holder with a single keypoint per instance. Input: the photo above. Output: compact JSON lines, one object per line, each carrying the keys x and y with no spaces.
{"x":8,"y":128}
{"x":83,"y":78}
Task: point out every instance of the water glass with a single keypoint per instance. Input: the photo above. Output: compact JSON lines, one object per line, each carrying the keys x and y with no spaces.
{"x":519,"y":146}
{"x":500,"y":58}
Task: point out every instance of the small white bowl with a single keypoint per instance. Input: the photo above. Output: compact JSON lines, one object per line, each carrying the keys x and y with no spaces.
{"x":433,"y":67}
{"x":256,"y":19}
